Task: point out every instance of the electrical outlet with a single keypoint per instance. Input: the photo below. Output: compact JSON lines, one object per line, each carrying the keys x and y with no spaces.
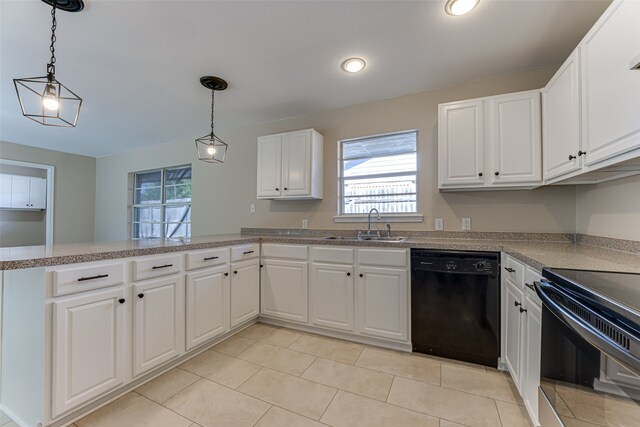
{"x":252,"y":208}
{"x":439,"y":223}
{"x":466,"y":224}
{"x":305,"y":223}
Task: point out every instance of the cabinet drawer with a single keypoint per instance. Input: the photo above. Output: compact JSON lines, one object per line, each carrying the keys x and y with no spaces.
{"x":271,"y":250}
{"x":245,"y":251}
{"x":332,"y":255}
{"x":86,"y":277}
{"x":530,"y":276}
{"x":513,"y":270}
{"x":383,"y":257}
{"x":207,"y":258}
{"x":156,"y":266}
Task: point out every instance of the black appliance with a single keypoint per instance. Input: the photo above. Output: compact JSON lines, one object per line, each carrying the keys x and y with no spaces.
{"x":590,"y":348}
{"x":455,"y":305}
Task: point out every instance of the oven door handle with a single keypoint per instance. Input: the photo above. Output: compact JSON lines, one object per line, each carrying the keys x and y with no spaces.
{"x":583,"y":328}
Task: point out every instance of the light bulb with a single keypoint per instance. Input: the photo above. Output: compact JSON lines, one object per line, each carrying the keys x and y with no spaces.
{"x":211,"y":151}
{"x":50,"y":99}
{"x":460,"y":7}
{"x":353,"y":65}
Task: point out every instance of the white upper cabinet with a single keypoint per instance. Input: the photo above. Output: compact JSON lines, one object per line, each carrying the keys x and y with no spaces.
{"x":490,"y":143}
{"x":290,"y":165}
{"x":611,"y":105}
{"x":269,"y":166}
{"x":461,"y":144}
{"x":23,"y":192}
{"x":514,"y":134}
{"x":561,"y":119}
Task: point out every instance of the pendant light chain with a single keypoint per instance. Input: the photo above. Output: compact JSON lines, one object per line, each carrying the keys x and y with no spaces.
{"x":51,"y":66}
{"x":213,"y":102}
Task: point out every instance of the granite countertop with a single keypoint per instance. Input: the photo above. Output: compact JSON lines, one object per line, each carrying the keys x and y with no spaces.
{"x":536,"y":253}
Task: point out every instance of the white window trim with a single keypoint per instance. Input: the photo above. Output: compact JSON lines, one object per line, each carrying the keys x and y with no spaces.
{"x":387,"y":217}
{"x":162,"y":205}
{"x":390,"y":217}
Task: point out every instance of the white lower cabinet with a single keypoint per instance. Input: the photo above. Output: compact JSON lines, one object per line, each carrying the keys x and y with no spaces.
{"x":522,"y":331}
{"x":88,"y":344}
{"x":158,"y":322}
{"x":331,"y":296}
{"x":207,"y":307}
{"x":513,"y":328}
{"x":383,"y":302}
{"x":245,"y":291}
{"x":284,"y":287}
{"x":531,"y":355}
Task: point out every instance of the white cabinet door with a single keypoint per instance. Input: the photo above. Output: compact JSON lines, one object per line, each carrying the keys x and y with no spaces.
{"x":331,"y":296}
{"x":531,"y":348}
{"x":158,"y":323}
{"x":207,"y":295}
{"x":20,"y":191}
{"x":38,"y":193}
{"x":5,"y":191}
{"x":383,"y":302}
{"x":461,"y":144}
{"x":513,"y":324}
{"x":514,"y":135}
{"x":611,"y":123}
{"x":284,"y":290}
{"x":245,"y":291}
{"x":621,"y":375}
{"x":88,"y":347}
{"x":269,"y":166}
{"x":561,"y":120}
{"x":296,"y":163}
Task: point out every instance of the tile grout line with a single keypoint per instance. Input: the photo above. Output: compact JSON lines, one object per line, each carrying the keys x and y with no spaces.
{"x":495,"y":404}
{"x":168,"y":409}
{"x":262,"y":416}
{"x":330,"y":402}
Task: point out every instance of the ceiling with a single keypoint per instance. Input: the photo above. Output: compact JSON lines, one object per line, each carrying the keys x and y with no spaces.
{"x":137,"y":63}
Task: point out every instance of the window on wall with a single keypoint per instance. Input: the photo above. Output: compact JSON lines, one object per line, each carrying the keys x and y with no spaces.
{"x":378,"y":172}
{"x":162,"y":203}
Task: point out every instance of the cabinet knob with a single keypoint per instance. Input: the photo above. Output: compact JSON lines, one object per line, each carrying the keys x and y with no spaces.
{"x":510,"y":270}
{"x":480,"y":174}
{"x":226,"y":274}
{"x":580,"y":153}
{"x":121,"y":300}
{"x":361,"y":275}
{"x":348,"y":274}
{"x":235,"y":272}
{"x":516,"y":303}
{"x":523,"y":310}
{"x":277,"y":189}
{"x":285,"y":188}
{"x":261,"y":265}
{"x":141,"y":295}
{"x":571,"y":157}
{"x":497,"y":173}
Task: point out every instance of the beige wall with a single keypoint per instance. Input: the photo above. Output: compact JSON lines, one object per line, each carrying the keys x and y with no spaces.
{"x":74,"y":189}
{"x":222,"y":193}
{"x":611,"y":209}
{"x":22,"y":228}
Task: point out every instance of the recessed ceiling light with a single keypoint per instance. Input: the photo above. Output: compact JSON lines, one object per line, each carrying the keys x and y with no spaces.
{"x":460,"y":7}
{"x":353,"y":65}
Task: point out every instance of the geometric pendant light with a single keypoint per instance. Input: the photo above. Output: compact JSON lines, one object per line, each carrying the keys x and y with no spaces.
{"x":44,"y":99}
{"x":210,"y":148}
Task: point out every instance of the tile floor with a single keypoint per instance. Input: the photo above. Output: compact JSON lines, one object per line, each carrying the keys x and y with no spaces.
{"x":275,"y":377}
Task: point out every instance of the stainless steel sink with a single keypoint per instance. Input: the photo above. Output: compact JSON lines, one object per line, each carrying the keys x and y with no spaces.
{"x":363,"y":239}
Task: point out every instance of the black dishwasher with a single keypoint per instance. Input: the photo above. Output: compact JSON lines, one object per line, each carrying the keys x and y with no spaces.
{"x":455,"y":305}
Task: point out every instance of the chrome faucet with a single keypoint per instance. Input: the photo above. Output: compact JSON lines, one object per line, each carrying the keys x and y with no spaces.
{"x":369,"y":234}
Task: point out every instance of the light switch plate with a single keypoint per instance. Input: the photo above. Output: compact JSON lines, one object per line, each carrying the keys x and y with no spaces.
{"x":305,"y":223}
{"x":439,"y":224}
{"x":466,"y":224}
{"x":252,"y":208}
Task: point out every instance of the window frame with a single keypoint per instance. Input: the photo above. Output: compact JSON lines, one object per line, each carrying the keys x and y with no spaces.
{"x":387,"y":216}
{"x":162,"y":205}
